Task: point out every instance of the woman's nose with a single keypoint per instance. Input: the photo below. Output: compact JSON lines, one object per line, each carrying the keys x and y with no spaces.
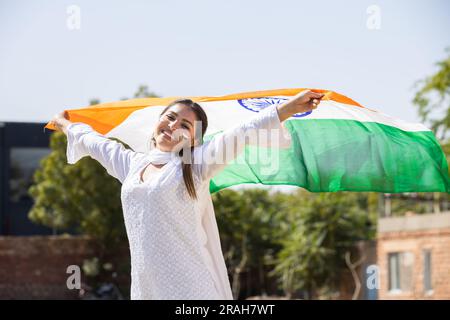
{"x":173,"y":125}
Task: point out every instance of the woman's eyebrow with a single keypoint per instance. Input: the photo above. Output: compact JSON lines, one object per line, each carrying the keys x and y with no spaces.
{"x":186,"y":120}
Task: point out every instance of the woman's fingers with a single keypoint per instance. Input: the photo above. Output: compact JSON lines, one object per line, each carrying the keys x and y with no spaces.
{"x":314,"y":102}
{"x":307,"y":96}
{"x":60,"y":120}
{"x":317,"y":95}
{"x":315,"y":99}
{"x":64,"y":114}
{"x":313,"y":94}
{"x":303,"y":101}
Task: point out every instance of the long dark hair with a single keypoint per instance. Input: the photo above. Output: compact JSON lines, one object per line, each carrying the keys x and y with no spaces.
{"x":187,"y":167}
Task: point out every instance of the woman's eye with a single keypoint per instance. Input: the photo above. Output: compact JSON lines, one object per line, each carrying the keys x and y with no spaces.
{"x":170,"y":117}
{"x":185,"y":126}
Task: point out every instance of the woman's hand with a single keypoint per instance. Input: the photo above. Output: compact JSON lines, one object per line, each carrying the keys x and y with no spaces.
{"x":60,"y":121}
{"x":304,"y":101}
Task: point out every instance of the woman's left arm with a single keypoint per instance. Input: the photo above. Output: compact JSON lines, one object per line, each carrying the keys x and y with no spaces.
{"x":214,"y":155}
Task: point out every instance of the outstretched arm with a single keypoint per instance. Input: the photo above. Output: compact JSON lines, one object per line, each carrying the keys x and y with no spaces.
{"x":303,"y":102}
{"x":214,"y":155}
{"x":83,"y":140}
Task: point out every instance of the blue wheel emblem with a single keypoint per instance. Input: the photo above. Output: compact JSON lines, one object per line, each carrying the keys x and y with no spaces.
{"x":258,"y":104}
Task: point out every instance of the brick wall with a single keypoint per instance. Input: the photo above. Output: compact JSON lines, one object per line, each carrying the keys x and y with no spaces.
{"x":414,"y":235}
{"x":35,"y":267}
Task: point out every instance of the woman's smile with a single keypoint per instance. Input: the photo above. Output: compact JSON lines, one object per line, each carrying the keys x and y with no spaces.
{"x":166,"y":134}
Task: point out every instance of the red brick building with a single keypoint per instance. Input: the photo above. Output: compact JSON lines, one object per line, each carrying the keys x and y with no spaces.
{"x":36,"y":267}
{"x":413,"y":257}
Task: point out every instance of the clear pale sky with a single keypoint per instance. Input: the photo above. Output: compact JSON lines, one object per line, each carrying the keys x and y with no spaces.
{"x":183,"y":48}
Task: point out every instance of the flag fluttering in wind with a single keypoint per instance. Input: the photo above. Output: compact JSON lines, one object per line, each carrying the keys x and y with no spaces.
{"x":339,"y":146}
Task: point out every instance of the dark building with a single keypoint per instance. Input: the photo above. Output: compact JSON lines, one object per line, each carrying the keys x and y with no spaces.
{"x":22,"y":146}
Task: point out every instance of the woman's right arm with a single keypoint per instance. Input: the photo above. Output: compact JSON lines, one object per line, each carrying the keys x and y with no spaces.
{"x":83,"y":140}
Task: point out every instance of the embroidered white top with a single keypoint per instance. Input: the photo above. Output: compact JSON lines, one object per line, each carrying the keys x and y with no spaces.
{"x":174,"y":240}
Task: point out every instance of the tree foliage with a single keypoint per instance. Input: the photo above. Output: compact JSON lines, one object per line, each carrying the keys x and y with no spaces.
{"x":302,"y":237}
{"x":434,"y":95}
{"x":249,"y":232}
{"x":81,"y":197}
{"x":320,"y":228}
{"x":433,"y":103}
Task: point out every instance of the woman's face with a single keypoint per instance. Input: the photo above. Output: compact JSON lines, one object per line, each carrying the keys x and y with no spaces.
{"x":177,"y":121}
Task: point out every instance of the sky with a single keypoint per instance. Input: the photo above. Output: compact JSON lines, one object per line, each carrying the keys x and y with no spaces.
{"x":371,"y":51}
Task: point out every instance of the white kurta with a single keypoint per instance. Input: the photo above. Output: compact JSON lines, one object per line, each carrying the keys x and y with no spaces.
{"x":174,"y":240}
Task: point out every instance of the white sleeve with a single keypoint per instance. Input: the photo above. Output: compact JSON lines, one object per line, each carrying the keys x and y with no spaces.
{"x":83,"y":140}
{"x":263,"y":130}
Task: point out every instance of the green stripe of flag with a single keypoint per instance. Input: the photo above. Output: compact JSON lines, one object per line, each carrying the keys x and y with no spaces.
{"x":330,"y":155}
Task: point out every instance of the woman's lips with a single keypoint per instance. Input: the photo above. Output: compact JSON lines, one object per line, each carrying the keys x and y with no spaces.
{"x":177,"y":136}
{"x":166,"y":134}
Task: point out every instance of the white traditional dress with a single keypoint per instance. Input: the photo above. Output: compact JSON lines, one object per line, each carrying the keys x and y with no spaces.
{"x":174,"y":240}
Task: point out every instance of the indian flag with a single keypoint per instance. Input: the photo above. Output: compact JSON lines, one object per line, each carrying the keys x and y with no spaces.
{"x":340,"y":146}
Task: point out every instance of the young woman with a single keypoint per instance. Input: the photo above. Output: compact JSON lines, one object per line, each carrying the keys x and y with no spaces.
{"x":168,"y":211}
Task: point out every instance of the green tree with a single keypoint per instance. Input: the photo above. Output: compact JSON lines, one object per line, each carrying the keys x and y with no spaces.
{"x":434,"y":95}
{"x":248,"y":229}
{"x":433,"y":102}
{"x":82,"y":197}
{"x":319,"y":230}
{"x":144,"y":92}
{"x":298,"y":239}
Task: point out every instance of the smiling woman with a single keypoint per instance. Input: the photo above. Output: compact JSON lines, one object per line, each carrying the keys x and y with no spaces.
{"x":169,"y":216}
{"x":177,"y":122}
{"x":176,"y":130}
